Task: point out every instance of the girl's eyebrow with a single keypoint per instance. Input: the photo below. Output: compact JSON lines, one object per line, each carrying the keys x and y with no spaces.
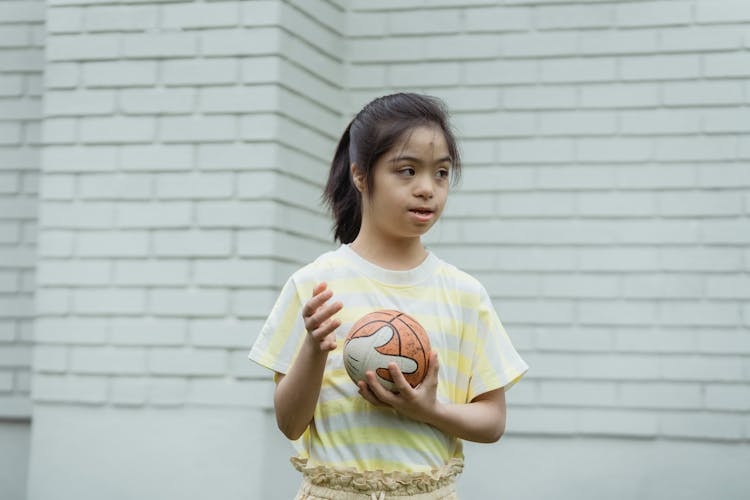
{"x":414,"y":159}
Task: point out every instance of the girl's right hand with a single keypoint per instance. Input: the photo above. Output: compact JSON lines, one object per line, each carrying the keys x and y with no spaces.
{"x":319,"y":324}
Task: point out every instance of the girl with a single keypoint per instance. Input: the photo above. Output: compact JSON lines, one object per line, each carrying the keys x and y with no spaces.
{"x":387,"y":186}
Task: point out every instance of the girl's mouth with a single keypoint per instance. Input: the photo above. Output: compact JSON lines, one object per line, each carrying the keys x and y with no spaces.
{"x":422,"y":214}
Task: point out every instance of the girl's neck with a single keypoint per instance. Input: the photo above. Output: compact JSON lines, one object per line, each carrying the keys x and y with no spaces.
{"x":397,"y":255}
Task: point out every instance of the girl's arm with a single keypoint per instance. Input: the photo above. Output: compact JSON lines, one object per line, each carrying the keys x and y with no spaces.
{"x":297,"y":391}
{"x":482,"y":420}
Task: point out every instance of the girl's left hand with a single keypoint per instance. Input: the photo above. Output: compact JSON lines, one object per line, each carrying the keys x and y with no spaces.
{"x":418,"y":403}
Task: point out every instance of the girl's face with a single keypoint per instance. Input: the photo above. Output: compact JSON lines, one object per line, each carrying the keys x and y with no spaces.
{"x":410,"y":186}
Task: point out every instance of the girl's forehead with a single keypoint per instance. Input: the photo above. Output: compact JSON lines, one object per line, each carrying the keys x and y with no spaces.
{"x":422,"y":138}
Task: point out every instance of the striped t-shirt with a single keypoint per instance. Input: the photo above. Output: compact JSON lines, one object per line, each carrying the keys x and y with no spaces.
{"x":475,"y":356}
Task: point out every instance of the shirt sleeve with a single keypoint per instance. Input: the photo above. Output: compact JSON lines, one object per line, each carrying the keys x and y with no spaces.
{"x":282,"y":333}
{"x":496,"y":362}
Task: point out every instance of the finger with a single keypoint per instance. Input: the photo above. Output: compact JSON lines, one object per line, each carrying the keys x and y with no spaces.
{"x":322,"y":315}
{"x":365,"y":392}
{"x":315,"y":302}
{"x":324,"y":331}
{"x":402,"y":385}
{"x":378,"y":390}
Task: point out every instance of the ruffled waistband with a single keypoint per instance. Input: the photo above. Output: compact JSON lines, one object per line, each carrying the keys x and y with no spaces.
{"x":393,"y":483}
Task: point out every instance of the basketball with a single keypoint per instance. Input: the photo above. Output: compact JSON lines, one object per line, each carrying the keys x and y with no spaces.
{"x":384,"y":337}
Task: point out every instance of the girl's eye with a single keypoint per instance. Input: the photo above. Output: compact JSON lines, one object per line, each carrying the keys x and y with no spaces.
{"x":443,"y":173}
{"x":408,"y":171}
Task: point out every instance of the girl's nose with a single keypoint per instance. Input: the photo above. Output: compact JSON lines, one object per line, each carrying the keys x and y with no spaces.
{"x":423,"y":187}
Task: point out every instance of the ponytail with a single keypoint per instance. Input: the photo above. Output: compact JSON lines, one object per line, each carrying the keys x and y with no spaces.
{"x":340,"y":194}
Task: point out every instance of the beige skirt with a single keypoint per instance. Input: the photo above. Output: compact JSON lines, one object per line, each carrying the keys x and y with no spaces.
{"x":325,"y":483}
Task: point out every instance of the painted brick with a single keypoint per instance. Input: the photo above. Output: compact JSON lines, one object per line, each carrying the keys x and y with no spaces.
{"x":70,"y":389}
{"x":48,"y":358}
{"x":660,"y":67}
{"x":155,"y":273}
{"x":261,"y":13}
{"x":15,"y":356}
{"x":149,"y":331}
{"x":726,"y":231}
{"x":117,"y":129}
{"x":570,"y":339}
{"x":683,"y":122}
{"x":167,"y":391}
{"x":234,"y":273}
{"x":56,"y":187}
{"x":233,"y":42}
{"x":702,"y":93}
{"x":106,"y":360}
{"x":258,"y":98}
{"x":590,"y":123}
{"x":230,"y":392}
{"x":186,"y":16}
{"x":93,"y":215}
{"x":55,"y":243}
{"x":197,"y":128}
{"x":196,"y":185}
{"x":155,"y":157}
{"x":362,"y":24}
{"x":70,"y":330}
{"x":188,"y":302}
{"x":618,"y":423}
{"x":112,"y":243}
{"x":72,"y":273}
{"x":54,"y":130}
{"x":621,"y":149}
{"x":200,"y":71}
{"x":64,"y":20}
{"x":728,"y":11}
{"x":252,"y":303}
{"x":730,"y":397}
{"x":119,"y":73}
{"x":93,"y":102}
{"x":80,"y":47}
{"x":701,"y":39}
{"x":539,"y":44}
{"x":577,"y":70}
{"x":653,"y":14}
{"x":114,"y":186}
{"x":600,"y":42}
{"x":561,"y":393}
{"x":156,"y":101}
{"x":440,"y":74}
{"x":79,"y":158}
{"x":151,"y":215}
{"x":226,"y":333}
{"x":128,"y":391}
{"x":727,"y":65}
{"x":109,"y":301}
{"x":197,"y":243}
{"x":120,"y":18}
{"x":159,"y":45}
{"x":704,"y":425}
{"x":538,"y":97}
{"x":186,"y":361}
{"x":723,"y":342}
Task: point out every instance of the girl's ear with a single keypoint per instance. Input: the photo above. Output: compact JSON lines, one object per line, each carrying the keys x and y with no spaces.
{"x":358,"y":177}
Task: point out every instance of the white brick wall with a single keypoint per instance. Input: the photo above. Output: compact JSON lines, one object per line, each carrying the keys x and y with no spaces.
{"x":21,"y":66}
{"x":604,"y":201}
{"x":186,"y":147}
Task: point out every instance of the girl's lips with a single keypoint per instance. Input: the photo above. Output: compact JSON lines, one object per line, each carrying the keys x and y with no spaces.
{"x":422,"y":215}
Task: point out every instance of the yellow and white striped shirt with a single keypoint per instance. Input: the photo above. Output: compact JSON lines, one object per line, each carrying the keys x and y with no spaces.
{"x":474,"y":353}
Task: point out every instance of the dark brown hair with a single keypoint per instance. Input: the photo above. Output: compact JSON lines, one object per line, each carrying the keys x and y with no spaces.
{"x":379,"y":126}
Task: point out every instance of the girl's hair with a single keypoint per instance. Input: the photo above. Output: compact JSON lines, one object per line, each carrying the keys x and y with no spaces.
{"x":379,"y":126}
